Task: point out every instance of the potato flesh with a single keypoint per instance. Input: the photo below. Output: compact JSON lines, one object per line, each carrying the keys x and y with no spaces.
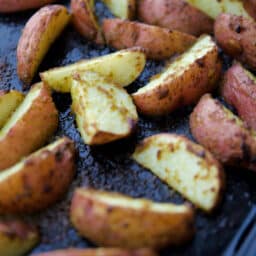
{"x":8,"y":103}
{"x":120,"y":8}
{"x":121,"y":67}
{"x":101,"y":107}
{"x":214,"y":7}
{"x":170,"y":159}
{"x":178,"y":67}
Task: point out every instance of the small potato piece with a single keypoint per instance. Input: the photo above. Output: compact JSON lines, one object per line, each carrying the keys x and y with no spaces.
{"x":111,"y":219}
{"x":85,"y":21}
{"x":183,"y":82}
{"x":185,"y":166}
{"x":8,"y":6}
{"x":17,"y":238}
{"x":99,"y":252}
{"x":236,"y":36}
{"x":9,"y":101}
{"x":159,"y":43}
{"x":39,"y":180}
{"x":38,"y":35}
{"x":239,"y":90}
{"x":121,"y":67}
{"x":175,"y":14}
{"x":104,"y":111}
{"x":223,"y":133}
{"x":125,"y":9}
{"x":33,"y":122}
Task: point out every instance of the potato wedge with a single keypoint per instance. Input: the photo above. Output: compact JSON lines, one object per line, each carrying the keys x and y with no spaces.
{"x":99,"y":252}
{"x":33,"y":122}
{"x":111,"y":219}
{"x":121,"y":67}
{"x":239,"y":90}
{"x":175,"y":14}
{"x":159,"y":43}
{"x":39,"y":33}
{"x":183,"y":82}
{"x":9,"y":101}
{"x":39,"y":180}
{"x":17,"y":238}
{"x":124,"y":9}
{"x":22,"y":5}
{"x":85,"y":21}
{"x":104,"y":111}
{"x":223,"y":133}
{"x":236,"y":36}
{"x":185,"y":166}
{"x":215,"y":7}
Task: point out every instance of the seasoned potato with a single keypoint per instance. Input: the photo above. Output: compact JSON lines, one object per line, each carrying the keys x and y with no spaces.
{"x":121,"y":67}
{"x":21,"y":5}
{"x":236,"y":36}
{"x":39,"y":180}
{"x":224,"y":134}
{"x":39,"y":33}
{"x":111,"y":219}
{"x":215,"y":7}
{"x":104,"y":111}
{"x":239,"y":90}
{"x":175,"y":14}
{"x":17,"y":238}
{"x":185,"y":166}
{"x":99,"y":252}
{"x":33,"y":122}
{"x":125,"y":9}
{"x":9,"y":101}
{"x":183,"y":82}
{"x":85,"y":21}
{"x":159,"y":43}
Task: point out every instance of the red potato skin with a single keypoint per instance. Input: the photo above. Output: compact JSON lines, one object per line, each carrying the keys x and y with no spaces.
{"x":239,"y":90}
{"x":250,"y":6}
{"x":175,"y":14}
{"x":7,"y":6}
{"x":230,"y":143}
{"x":236,"y":36}
{"x":159,"y":43}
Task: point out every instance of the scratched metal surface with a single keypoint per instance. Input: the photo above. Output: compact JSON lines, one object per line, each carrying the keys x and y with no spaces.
{"x":110,"y":167}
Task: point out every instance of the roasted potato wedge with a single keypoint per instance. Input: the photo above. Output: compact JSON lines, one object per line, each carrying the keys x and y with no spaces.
{"x":17,"y":238}
{"x":9,"y":101}
{"x":85,"y":21}
{"x":183,"y":82}
{"x":22,"y":5}
{"x":39,"y":33}
{"x":121,"y":67}
{"x":99,"y":252}
{"x":39,"y":180}
{"x":236,"y":36}
{"x":215,"y":7}
{"x":239,"y":90}
{"x":185,"y":166}
{"x":159,"y":43}
{"x":104,"y":111}
{"x":223,"y":133}
{"x":175,"y":14}
{"x":33,"y":122}
{"x":124,"y":9}
{"x":111,"y":219}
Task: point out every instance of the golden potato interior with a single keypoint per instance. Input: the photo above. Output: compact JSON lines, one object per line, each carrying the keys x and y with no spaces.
{"x":17,"y":238}
{"x":185,"y":166}
{"x":112,"y":219}
{"x":122,"y":67}
{"x":9,"y":101}
{"x":104,"y":111}
{"x":38,"y":35}
{"x":124,"y":9}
